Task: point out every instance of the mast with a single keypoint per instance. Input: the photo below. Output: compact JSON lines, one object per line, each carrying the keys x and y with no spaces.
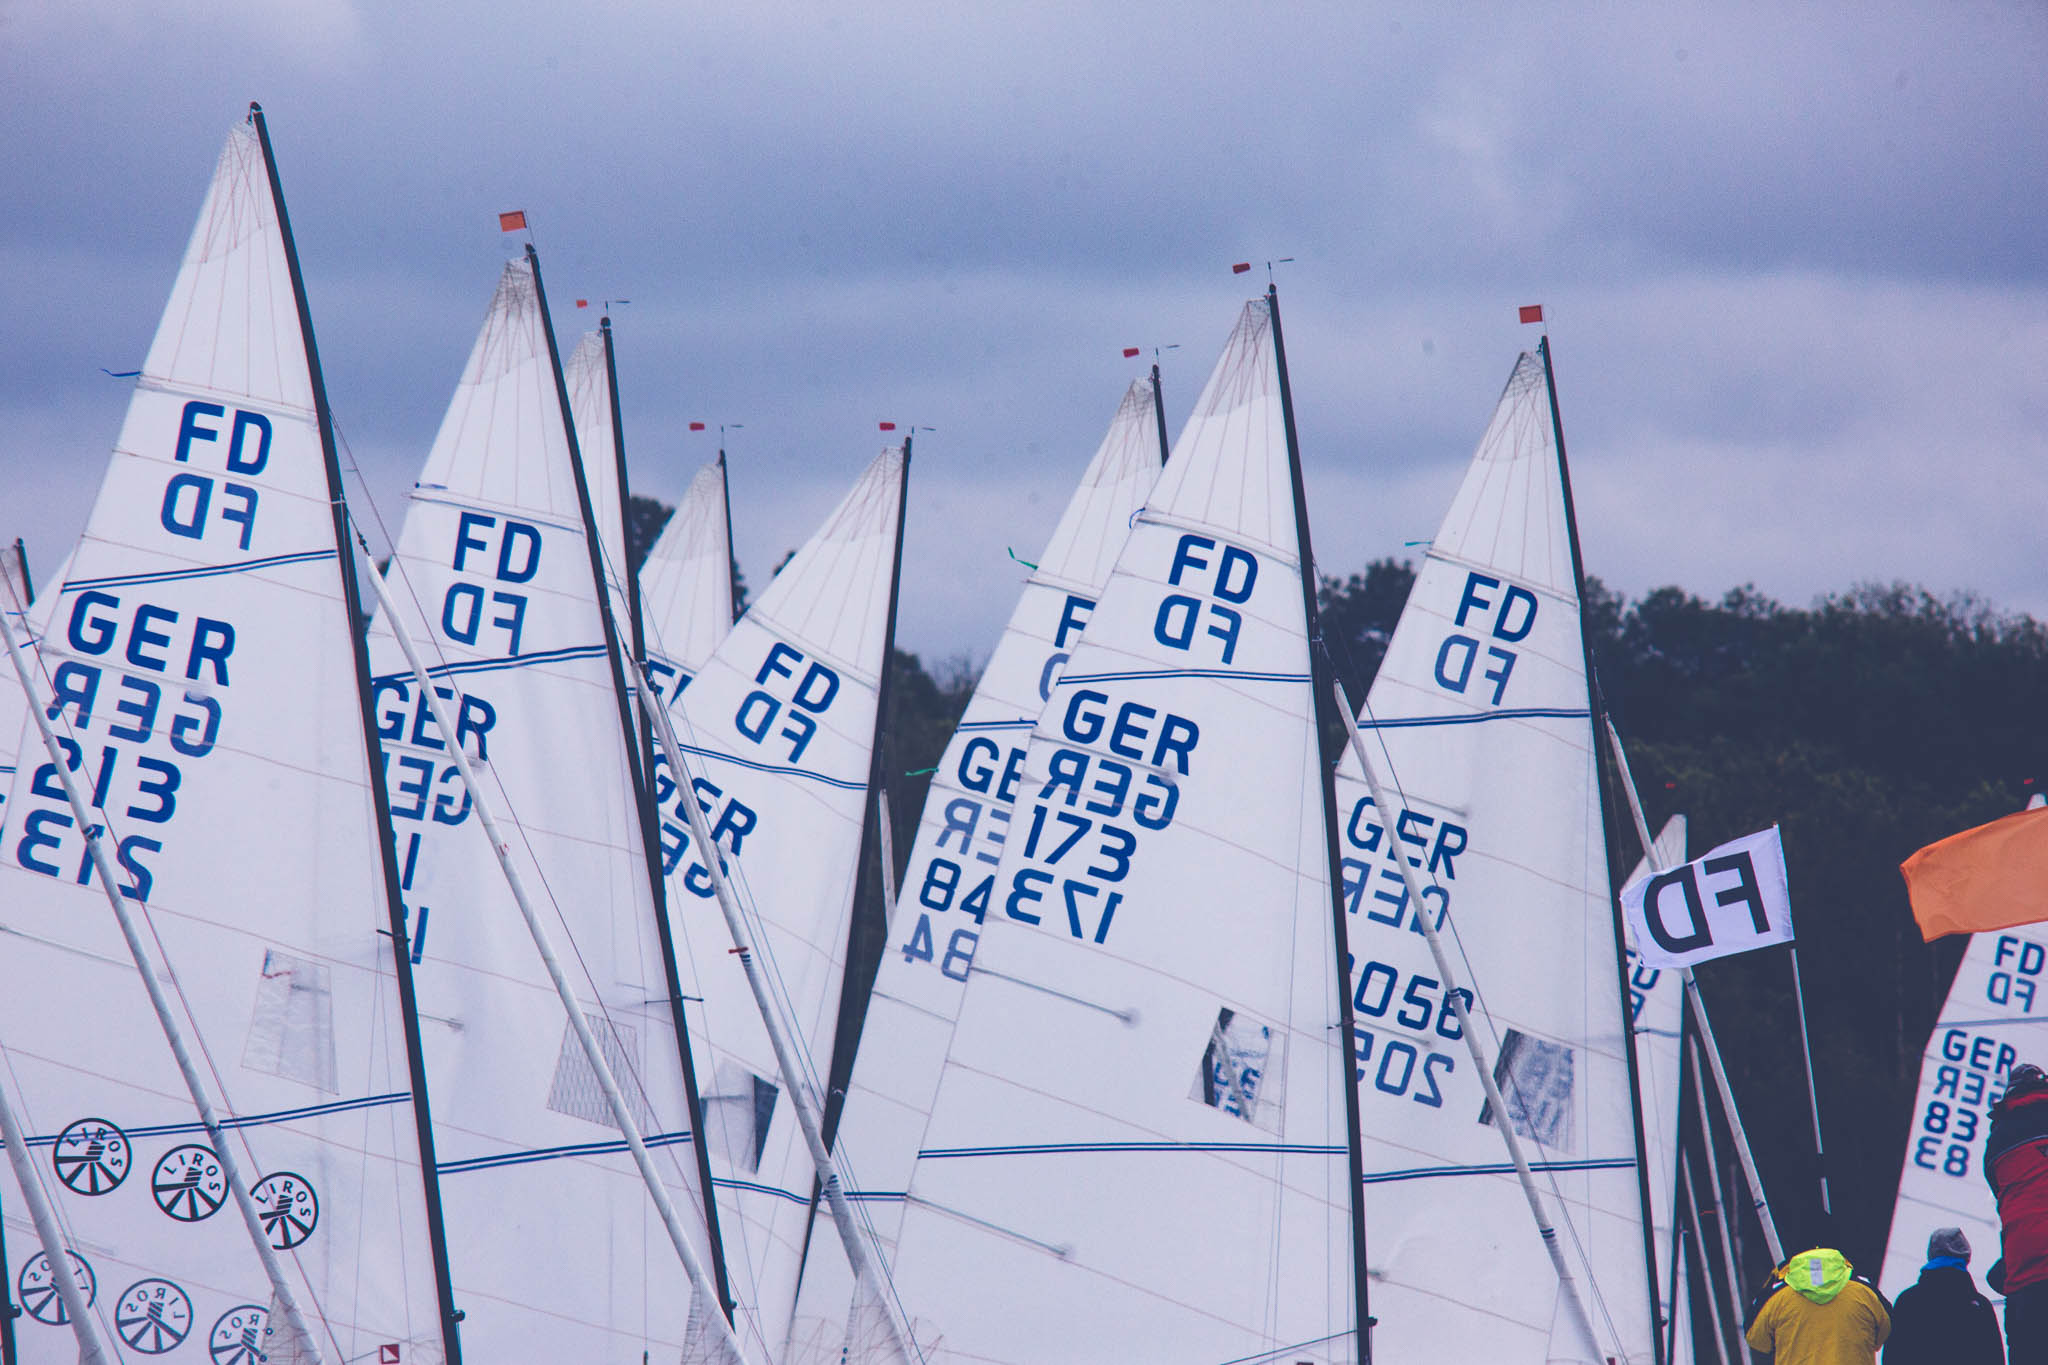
{"x":1598,"y":709}
{"x":387,"y":839}
{"x":862,"y":967}
{"x":1319,"y":684}
{"x":639,"y":745}
{"x":1159,"y":411}
{"x":639,"y":757}
{"x":732,"y":563}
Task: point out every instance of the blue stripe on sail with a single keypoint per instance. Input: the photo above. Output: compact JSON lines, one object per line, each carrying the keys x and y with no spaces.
{"x":1146,"y":674}
{"x":205,"y":571}
{"x":1614,"y":1163}
{"x":715,"y":754}
{"x":544,"y":656}
{"x":611,"y":1148}
{"x":255,"y":1120}
{"x":778,"y":1192}
{"x":1062,"y":1148}
{"x":1024,"y":724}
{"x":1473,"y":718}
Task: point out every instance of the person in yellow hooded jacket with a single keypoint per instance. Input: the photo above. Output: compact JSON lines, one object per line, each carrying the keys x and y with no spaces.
{"x":1817,"y":1310}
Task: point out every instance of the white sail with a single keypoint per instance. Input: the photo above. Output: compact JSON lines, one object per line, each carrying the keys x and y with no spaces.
{"x":1138,"y":1149}
{"x":201,"y":658}
{"x":589,"y":377}
{"x":950,"y":876}
{"x":30,"y":615}
{"x":1478,"y":722}
{"x":1657,"y":1008}
{"x":779,"y":729}
{"x":686,"y":584}
{"x":556,"y":1248}
{"x":1991,"y":1020}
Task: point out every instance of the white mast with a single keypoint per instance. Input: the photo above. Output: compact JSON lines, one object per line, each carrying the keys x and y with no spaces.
{"x":615,"y":1100}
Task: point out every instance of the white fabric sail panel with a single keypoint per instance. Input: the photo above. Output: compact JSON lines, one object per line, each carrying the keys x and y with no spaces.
{"x":779,"y":726}
{"x":555,"y":1246}
{"x":686,"y":584}
{"x":201,"y":658}
{"x":31,"y":622}
{"x":950,"y":876}
{"x":589,"y":381}
{"x":1138,"y":1147}
{"x":1991,"y":1020}
{"x":1479,"y":723}
{"x":1657,"y":1009}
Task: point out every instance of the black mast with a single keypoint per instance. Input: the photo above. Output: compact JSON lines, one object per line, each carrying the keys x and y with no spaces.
{"x":387,"y":839}
{"x":28,"y":585}
{"x":867,"y":935}
{"x":1596,"y":717}
{"x":1325,"y":705}
{"x":1159,"y":415}
{"x":732,"y":563}
{"x":638,"y":751}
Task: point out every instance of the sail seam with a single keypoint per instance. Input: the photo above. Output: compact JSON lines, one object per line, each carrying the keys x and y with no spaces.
{"x":253,"y":1120}
{"x":208,"y":571}
{"x":482,"y":1163}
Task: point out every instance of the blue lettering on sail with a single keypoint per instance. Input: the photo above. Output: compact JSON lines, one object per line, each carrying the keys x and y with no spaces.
{"x":1227,"y":576}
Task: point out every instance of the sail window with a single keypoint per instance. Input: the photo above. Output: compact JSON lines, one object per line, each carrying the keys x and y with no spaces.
{"x":291,"y":1031}
{"x":736,"y":1118}
{"x":1535,"y":1078}
{"x":1243,"y":1070}
{"x":576,"y":1091}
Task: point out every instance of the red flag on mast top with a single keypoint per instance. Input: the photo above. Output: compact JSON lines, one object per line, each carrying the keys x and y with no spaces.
{"x":696,"y":426}
{"x":1240,"y":267}
{"x":887,"y":426}
{"x":1130,"y":351}
{"x":1532,"y":312}
{"x":514,"y":221}
{"x":583,"y":303}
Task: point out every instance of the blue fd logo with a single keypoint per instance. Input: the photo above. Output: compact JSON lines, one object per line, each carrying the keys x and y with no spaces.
{"x":1507,"y":617}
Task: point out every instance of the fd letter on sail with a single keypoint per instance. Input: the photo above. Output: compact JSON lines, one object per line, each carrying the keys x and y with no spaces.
{"x":1731,"y":900}
{"x":1990,"y":877}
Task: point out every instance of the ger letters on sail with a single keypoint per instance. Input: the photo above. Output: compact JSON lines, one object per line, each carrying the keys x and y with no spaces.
{"x":201,"y":669}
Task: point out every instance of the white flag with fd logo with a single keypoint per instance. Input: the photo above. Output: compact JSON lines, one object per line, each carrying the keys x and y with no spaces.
{"x":1729,"y":900}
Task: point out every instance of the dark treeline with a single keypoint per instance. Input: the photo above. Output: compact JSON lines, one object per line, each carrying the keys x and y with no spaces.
{"x":1867,"y":725}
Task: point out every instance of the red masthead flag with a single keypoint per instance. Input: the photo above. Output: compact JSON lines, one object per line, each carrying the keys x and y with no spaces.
{"x":1130,"y":351}
{"x":1532,"y":312}
{"x":583,"y":303}
{"x":514,"y":221}
{"x":1240,"y":267}
{"x":696,"y":426}
{"x":888,"y":426}
{"x":1992,"y":877}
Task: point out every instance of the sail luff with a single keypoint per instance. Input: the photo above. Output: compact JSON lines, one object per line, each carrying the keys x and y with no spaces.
{"x":1159,"y":418}
{"x":732,"y":564}
{"x":793,"y":1081}
{"x":1597,"y":709}
{"x":640,"y":758}
{"x":1321,"y":681}
{"x":380,"y":797}
{"x":1503,"y":1122}
{"x":174,"y":1035}
{"x":615,"y":1100}
{"x":1704,"y":1038}
{"x":90,"y":1351}
{"x":860,"y":975}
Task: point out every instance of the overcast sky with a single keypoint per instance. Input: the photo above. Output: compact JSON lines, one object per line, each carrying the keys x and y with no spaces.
{"x":1793,"y":263}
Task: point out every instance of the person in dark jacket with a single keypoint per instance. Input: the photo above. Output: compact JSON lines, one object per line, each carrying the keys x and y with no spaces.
{"x":2016,"y":1164}
{"x":1942,"y":1319}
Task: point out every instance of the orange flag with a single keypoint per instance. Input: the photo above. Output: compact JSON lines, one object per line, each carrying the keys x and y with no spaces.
{"x":1992,"y":877}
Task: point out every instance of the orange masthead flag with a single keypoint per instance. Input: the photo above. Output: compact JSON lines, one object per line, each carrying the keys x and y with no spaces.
{"x":514,"y":221}
{"x":1992,"y":877}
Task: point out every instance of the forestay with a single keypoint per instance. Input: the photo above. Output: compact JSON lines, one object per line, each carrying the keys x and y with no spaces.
{"x":202,"y":657}
{"x":779,"y":729}
{"x":686,"y":585}
{"x":1138,"y":1148}
{"x":950,"y":877}
{"x":556,"y":1247}
{"x":1988,"y":1024}
{"x":1479,"y":723}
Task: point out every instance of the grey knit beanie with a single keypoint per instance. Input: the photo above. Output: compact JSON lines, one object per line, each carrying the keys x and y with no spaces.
{"x":1948,"y":1242}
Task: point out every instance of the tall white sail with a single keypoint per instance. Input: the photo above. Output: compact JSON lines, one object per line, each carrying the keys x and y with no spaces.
{"x":1990,"y":1021}
{"x":556,"y":1248}
{"x":950,"y":877}
{"x":686,"y":584}
{"x":588,"y":373}
{"x":1479,"y":722}
{"x":1138,"y":1149}
{"x":1657,"y":1010}
{"x":779,"y":727}
{"x":201,"y":663}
